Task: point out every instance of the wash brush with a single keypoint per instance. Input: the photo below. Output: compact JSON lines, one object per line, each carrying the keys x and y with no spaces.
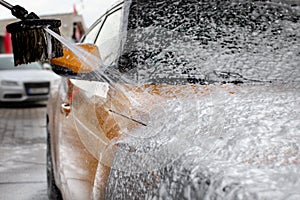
{"x":29,"y":39}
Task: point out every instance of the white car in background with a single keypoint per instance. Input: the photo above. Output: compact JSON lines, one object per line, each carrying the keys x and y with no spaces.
{"x":28,"y":82}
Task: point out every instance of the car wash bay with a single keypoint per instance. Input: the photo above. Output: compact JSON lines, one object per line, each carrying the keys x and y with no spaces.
{"x":23,"y":151}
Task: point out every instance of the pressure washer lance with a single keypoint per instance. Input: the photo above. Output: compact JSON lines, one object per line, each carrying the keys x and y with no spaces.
{"x":29,"y":39}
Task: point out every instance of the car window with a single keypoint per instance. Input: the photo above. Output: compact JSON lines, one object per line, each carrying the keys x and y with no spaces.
{"x":7,"y":63}
{"x":209,"y":42}
{"x":92,"y":34}
{"x":108,"y":40}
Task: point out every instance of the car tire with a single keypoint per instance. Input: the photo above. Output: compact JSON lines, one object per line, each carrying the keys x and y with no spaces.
{"x":52,"y":190}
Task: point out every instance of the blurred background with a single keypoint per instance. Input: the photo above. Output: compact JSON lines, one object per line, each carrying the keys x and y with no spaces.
{"x":23,"y":97}
{"x":76,"y":16}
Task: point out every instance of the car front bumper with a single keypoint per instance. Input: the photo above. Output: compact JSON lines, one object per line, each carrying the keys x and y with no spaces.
{"x":25,"y":92}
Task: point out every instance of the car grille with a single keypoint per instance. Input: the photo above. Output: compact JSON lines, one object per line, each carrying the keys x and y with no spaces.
{"x":13,"y":96}
{"x":39,"y":88}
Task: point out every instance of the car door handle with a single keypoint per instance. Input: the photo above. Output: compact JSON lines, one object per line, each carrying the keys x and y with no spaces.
{"x":65,"y":109}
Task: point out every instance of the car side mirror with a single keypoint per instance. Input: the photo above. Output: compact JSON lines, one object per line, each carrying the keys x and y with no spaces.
{"x":46,"y":66}
{"x":72,"y":65}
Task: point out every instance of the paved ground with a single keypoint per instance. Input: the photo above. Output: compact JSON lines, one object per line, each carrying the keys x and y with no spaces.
{"x":23,"y":152}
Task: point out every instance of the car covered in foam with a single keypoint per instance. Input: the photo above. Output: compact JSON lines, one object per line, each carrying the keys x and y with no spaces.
{"x":182,"y":99}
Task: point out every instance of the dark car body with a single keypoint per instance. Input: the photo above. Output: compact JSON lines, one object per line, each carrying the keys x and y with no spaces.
{"x":189,"y":100}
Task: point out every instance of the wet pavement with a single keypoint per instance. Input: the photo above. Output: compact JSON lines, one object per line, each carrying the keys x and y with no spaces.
{"x":23,"y":151}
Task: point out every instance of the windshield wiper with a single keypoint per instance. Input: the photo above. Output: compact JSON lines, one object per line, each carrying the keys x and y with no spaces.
{"x":179,"y":81}
{"x":232,"y":77}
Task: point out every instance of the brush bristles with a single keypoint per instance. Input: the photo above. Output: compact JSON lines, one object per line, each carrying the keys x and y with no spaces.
{"x":57,"y":49}
{"x":31,"y":46}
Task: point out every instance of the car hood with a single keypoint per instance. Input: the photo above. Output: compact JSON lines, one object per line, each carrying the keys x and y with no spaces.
{"x":28,"y":75}
{"x":231,"y":141}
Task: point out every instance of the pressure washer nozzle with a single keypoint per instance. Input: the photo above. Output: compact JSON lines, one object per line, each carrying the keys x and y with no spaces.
{"x":30,"y":42}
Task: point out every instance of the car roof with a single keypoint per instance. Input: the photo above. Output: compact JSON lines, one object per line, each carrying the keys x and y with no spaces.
{"x":111,"y":7}
{"x":6,"y":55}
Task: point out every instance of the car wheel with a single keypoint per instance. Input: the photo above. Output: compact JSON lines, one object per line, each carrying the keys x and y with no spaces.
{"x":53,"y":191}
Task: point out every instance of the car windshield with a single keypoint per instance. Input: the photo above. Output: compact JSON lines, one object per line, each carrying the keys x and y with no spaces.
{"x":208,"y":41}
{"x":7,"y":63}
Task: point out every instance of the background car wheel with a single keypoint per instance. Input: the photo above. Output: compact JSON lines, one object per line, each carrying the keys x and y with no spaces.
{"x":53,"y":191}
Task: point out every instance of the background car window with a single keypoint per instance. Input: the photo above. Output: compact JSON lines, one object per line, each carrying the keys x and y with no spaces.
{"x":108,"y":40}
{"x":7,"y":63}
{"x":92,"y":34}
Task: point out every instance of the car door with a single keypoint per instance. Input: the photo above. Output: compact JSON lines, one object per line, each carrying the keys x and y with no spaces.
{"x":77,"y":137}
{"x":89,"y":111}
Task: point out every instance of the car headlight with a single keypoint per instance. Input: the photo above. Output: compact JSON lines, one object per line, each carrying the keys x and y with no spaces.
{"x":9,"y":83}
